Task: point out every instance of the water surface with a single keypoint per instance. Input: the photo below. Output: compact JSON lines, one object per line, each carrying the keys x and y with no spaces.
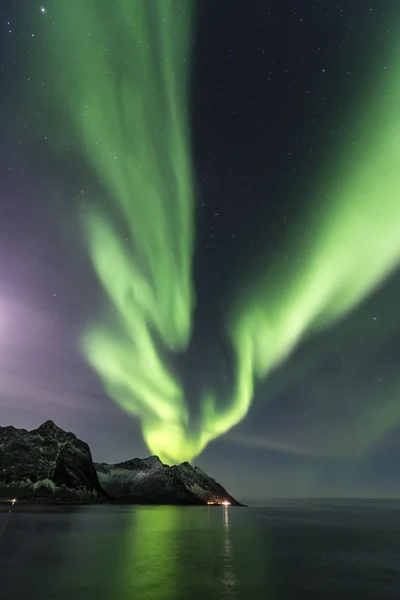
{"x":285,"y":550}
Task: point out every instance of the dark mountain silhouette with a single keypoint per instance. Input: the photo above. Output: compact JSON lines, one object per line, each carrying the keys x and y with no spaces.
{"x":49,"y":464}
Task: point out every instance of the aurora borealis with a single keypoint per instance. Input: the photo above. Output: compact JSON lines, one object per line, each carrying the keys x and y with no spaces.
{"x":131,"y":114}
{"x":352,"y":245}
{"x":200,"y":219}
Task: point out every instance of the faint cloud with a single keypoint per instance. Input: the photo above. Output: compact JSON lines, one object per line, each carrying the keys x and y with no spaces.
{"x":263,"y":443}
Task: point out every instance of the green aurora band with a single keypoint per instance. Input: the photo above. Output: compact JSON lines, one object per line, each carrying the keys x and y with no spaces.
{"x":352,"y":245}
{"x":125,"y":83}
{"x":126,"y":64}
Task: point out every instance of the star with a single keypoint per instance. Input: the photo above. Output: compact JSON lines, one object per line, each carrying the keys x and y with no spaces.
{"x":43,"y":10}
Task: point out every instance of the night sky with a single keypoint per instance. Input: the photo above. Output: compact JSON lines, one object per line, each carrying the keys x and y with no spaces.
{"x":278,"y":90}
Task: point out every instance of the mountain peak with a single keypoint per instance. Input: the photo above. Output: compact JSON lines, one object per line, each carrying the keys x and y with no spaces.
{"x":153,"y":459}
{"x":49,"y":424}
{"x":50,"y":429}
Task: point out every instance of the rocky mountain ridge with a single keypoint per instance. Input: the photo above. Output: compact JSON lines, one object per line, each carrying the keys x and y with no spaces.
{"x":46,"y":462}
{"x":149,"y":481}
{"x":49,"y":464}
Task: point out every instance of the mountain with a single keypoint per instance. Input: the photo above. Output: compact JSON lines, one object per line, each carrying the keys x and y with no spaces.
{"x":46,"y":463}
{"x":49,"y":464}
{"x":149,"y":481}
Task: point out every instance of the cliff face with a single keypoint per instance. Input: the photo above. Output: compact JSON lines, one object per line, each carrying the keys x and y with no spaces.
{"x":53,"y":465}
{"x":149,"y":481}
{"x":46,"y":463}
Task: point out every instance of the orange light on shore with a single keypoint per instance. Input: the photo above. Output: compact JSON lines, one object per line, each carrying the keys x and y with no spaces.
{"x":13,"y":501}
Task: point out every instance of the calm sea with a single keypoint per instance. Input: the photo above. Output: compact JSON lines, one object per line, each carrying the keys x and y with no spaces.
{"x":284,"y":550}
